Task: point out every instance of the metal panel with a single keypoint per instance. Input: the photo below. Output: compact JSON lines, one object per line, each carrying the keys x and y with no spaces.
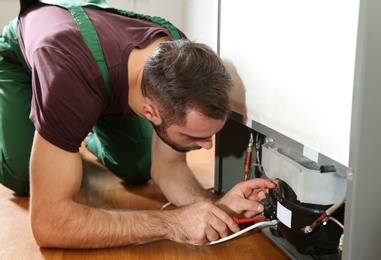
{"x":362,"y":233}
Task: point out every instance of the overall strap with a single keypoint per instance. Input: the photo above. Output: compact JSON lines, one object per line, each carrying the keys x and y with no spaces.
{"x":90,"y":37}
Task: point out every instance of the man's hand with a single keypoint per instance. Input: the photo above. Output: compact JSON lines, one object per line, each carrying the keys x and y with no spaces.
{"x":199,"y":223}
{"x":58,"y":221}
{"x":243,"y":200}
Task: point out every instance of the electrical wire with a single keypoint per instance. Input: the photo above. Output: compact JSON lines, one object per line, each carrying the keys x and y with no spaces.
{"x":166,"y":205}
{"x":261,"y":224}
{"x":256,"y":225}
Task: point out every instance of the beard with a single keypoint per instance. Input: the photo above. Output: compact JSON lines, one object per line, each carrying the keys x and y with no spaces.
{"x":161,"y":131}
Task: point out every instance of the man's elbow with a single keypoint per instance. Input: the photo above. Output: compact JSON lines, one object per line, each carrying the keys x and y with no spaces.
{"x":45,"y":234}
{"x":41,"y":233}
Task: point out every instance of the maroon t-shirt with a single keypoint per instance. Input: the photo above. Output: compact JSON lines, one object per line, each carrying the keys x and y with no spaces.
{"x":68,"y":90}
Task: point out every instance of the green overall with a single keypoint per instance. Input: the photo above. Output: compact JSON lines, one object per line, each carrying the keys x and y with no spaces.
{"x":123,"y":146}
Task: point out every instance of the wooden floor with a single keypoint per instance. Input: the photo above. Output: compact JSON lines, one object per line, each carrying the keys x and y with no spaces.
{"x":100,"y":188}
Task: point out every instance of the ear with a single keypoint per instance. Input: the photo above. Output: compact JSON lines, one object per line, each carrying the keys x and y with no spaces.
{"x":151,"y":111}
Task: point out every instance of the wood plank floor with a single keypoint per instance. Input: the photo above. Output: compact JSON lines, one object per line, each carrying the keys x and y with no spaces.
{"x":100,"y":188}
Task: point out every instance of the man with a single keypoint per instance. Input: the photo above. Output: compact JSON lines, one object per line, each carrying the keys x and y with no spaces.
{"x":179,"y":87}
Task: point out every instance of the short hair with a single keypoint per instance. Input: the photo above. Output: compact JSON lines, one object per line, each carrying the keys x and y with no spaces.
{"x":182,"y":74}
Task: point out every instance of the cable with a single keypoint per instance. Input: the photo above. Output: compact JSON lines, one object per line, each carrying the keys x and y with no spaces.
{"x":256,"y":225}
{"x":166,"y":205}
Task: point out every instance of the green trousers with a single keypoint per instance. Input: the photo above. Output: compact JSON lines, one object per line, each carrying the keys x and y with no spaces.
{"x":123,"y":146}
{"x":16,"y":130}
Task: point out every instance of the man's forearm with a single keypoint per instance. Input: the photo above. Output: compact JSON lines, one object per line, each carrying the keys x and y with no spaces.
{"x":81,"y":226}
{"x":58,"y":221}
{"x":170,"y":171}
{"x":197,"y":192}
{"x":181,"y":187}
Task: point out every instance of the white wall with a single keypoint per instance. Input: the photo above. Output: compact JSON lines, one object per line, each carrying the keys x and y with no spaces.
{"x":295,"y":60}
{"x":171,"y":10}
{"x":8,"y":10}
{"x":198,"y":19}
{"x":123,"y":4}
{"x":201,"y":21}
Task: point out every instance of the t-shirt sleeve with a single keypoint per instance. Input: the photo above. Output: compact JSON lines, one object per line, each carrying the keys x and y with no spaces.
{"x":68,"y":97}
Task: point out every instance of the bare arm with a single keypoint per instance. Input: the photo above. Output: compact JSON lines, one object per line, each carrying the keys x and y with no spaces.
{"x":171,"y":173}
{"x":58,"y":221}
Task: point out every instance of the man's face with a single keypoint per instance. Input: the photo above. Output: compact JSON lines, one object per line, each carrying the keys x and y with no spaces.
{"x":197,"y":133}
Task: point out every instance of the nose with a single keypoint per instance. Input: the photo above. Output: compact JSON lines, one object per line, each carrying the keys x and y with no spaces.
{"x":207,"y":144}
